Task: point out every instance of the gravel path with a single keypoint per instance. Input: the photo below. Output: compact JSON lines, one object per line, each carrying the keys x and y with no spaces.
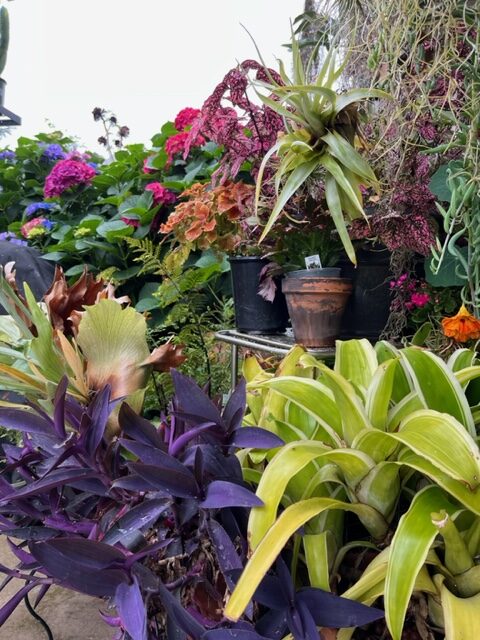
{"x":71,"y":616}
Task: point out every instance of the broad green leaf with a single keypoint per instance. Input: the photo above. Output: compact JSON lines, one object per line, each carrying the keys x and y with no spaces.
{"x":437,"y":385}
{"x":470,"y":499}
{"x":410,"y":545}
{"x":381,"y":488}
{"x":277,"y":536}
{"x":461,"y":359}
{"x":312,"y":396}
{"x":461,"y":615}
{"x":407,"y":405}
{"x":442,"y":440}
{"x":376,"y":443}
{"x":356,"y":361}
{"x":379,"y":394}
{"x":113,"y":342}
{"x":317,"y":549}
{"x":466,"y":375}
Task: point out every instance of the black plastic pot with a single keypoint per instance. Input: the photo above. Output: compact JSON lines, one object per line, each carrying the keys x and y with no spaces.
{"x":369,"y":305}
{"x":253,"y":314}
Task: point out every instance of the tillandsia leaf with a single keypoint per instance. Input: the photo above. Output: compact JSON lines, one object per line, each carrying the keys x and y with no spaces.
{"x":131,"y":610}
{"x":379,"y":394}
{"x":412,"y":540}
{"x":466,"y":375}
{"x":276,"y":537}
{"x":438,"y":386}
{"x":458,"y":559}
{"x":404,"y":408}
{"x":221,"y":494}
{"x":342,"y":182}
{"x":461,"y":359}
{"x":336,"y":211}
{"x":343,"y":151}
{"x":358,"y":95}
{"x":294,"y":181}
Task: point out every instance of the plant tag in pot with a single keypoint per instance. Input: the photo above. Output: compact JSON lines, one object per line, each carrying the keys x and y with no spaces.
{"x":313,"y":262}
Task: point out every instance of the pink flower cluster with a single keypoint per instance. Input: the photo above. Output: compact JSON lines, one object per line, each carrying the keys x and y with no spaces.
{"x":413,"y":291}
{"x":185,"y":118}
{"x":67,"y":174}
{"x":161,"y":195}
{"x":32,"y":224}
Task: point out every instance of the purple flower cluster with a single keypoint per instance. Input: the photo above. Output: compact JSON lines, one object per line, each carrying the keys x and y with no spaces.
{"x":67,"y":174}
{"x":52,"y":152}
{"x":7,"y":155}
{"x":9,"y":236}
{"x":245,"y":129}
{"x":38,"y":206}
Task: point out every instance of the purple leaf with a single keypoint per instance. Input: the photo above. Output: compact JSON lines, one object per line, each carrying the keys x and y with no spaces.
{"x":181,"y":618}
{"x":137,"y":518}
{"x":59,"y":410}
{"x":87,"y":553}
{"x":191,"y":399}
{"x":10,"y":606}
{"x":255,"y":437}
{"x":57,"y":478}
{"x":235,"y":407}
{"x":222,"y":494}
{"x":131,"y":609}
{"x":31,"y":533}
{"x":22,"y":420}
{"x":151,"y":455}
{"x":234,"y":634}
{"x":178,"y":482}
{"x":329,"y":610}
{"x":179,"y":443}
{"x":133,"y":483}
{"x":138,"y":428}
{"x":99,"y":411}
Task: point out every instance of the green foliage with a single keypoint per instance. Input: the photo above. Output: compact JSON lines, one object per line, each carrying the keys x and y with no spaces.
{"x":360,"y":438}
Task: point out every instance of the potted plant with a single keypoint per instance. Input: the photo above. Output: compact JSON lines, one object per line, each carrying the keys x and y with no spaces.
{"x":321,"y":130}
{"x":221,"y":219}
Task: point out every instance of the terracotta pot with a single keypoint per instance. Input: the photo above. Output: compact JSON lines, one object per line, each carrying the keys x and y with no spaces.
{"x":316,"y":305}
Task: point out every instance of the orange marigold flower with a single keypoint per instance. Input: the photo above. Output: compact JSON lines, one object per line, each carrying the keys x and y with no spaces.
{"x":462,"y":327}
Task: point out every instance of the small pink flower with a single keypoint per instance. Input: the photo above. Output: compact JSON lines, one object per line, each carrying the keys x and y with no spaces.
{"x":161,"y":195}
{"x":419,"y":299}
{"x":131,"y":222}
{"x":185,"y":118}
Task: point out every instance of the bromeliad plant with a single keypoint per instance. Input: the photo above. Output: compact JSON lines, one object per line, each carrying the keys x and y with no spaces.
{"x":321,"y":127}
{"x":359,"y":438}
{"x":153,"y":521}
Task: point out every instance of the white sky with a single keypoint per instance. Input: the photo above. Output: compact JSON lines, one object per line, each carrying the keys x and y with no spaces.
{"x":143,"y":59}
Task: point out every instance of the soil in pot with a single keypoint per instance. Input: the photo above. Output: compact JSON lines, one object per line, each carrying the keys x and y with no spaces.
{"x":253,"y":314}
{"x":316,"y":304}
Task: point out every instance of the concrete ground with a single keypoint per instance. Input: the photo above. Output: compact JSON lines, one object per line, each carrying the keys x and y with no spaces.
{"x":70,"y":616}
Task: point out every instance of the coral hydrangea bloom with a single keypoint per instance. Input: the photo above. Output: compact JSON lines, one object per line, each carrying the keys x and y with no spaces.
{"x":66,"y":174}
{"x":462,"y":327}
{"x":161,"y":195}
{"x":35,"y":223}
{"x":178,"y":144}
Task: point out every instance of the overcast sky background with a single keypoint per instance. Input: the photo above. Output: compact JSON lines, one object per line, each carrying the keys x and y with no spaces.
{"x":144,"y":59}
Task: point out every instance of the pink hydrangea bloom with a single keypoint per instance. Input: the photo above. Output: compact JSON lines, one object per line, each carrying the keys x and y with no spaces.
{"x":178,"y":144}
{"x":132,"y":222}
{"x":161,"y":195}
{"x":31,"y":224}
{"x":185,"y":118}
{"x":67,"y":174}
